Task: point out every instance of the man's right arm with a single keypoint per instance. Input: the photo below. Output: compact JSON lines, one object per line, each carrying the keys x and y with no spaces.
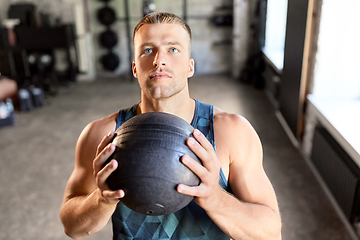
{"x":88,"y":202}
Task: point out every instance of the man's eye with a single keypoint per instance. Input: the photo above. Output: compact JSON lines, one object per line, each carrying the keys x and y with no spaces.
{"x":174,"y":50}
{"x":148,"y":51}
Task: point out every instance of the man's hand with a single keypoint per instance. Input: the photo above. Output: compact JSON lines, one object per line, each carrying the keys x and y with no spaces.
{"x":101,"y":172}
{"x":209,"y":189}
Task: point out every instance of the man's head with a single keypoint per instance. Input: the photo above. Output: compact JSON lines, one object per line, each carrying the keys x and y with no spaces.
{"x":162,"y":17}
{"x":162,"y":52}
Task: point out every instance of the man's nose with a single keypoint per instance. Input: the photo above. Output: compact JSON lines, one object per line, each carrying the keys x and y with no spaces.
{"x":159,"y":59}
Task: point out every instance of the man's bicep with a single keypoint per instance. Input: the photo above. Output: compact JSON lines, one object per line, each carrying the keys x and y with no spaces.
{"x":82,"y":181}
{"x":253,"y":187}
{"x":247,"y":177}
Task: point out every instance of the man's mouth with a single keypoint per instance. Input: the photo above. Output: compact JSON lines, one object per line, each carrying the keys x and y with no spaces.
{"x":159,"y":75}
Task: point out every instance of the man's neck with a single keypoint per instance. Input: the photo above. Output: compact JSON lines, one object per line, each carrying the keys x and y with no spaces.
{"x":184,"y":107}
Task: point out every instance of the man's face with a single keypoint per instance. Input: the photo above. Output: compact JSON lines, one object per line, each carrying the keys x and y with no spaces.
{"x":162,"y":59}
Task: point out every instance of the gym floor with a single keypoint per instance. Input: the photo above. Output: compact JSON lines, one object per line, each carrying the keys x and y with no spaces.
{"x":37,"y":157}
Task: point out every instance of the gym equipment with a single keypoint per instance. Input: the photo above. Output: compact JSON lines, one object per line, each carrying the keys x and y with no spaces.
{"x":108,"y":39}
{"x":106,"y":15}
{"x":31,"y":97}
{"x":110,"y":61}
{"x":41,"y":62}
{"x":25,"y":100}
{"x":148,"y":149}
{"x":25,"y":12}
{"x":40,"y":49}
{"x":7,"y":117}
{"x":37,"y":96}
{"x":223,"y":20}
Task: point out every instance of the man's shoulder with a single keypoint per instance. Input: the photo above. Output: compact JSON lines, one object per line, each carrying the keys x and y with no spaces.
{"x":232,"y":128}
{"x":229,"y":120}
{"x":100,"y":127}
{"x":236,"y":136}
{"x":104,"y":122}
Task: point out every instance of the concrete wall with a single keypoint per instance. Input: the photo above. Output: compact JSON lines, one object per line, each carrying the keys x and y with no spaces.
{"x":3,"y":9}
{"x":242,"y":13}
{"x":212,"y":45}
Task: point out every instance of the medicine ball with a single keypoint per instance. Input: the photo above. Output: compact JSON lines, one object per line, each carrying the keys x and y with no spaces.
{"x":106,"y":15}
{"x":108,"y":39}
{"x":110,"y":61}
{"x":148,"y":149}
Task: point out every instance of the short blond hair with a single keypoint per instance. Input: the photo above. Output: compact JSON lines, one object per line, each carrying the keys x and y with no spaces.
{"x":162,"y":17}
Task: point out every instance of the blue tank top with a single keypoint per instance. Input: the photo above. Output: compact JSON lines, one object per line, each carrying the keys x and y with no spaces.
{"x":189,"y":223}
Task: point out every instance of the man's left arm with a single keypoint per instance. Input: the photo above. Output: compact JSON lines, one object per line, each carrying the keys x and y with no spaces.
{"x":251,"y":212}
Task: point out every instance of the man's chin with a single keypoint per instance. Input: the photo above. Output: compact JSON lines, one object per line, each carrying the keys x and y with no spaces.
{"x":161,"y":92}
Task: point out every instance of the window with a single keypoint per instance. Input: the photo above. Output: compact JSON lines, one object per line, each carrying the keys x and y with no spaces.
{"x":336,"y":73}
{"x":275,"y":31}
{"x":336,"y":87}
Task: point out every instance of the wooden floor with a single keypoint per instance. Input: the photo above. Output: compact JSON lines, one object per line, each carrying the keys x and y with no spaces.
{"x":37,"y":157}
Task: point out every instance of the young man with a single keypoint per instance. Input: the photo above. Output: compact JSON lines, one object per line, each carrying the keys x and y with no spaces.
{"x":162,"y":66}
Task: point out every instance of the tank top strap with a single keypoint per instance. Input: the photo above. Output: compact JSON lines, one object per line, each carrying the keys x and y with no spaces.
{"x":204,"y":121}
{"x":125,"y":114}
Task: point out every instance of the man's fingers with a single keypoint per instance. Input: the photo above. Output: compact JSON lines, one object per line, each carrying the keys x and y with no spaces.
{"x":202,"y":140}
{"x":102,"y":157}
{"x":105,"y":172}
{"x":105,"y":141}
{"x":187,"y":190}
{"x":204,"y":150}
{"x":197,"y":148}
{"x":113,"y":194}
{"x":101,"y":181}
{"x":194,"y":166}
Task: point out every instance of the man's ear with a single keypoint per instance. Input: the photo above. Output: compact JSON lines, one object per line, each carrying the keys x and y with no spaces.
{"x":134,"y":69}
{"x":191,"y":68}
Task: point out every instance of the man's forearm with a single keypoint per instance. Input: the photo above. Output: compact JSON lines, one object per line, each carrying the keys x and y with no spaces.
{"x":240,"y":220}
{"x":85,"y":215}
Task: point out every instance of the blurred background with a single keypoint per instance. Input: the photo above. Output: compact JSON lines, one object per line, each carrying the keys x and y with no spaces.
{"x":290,"y":67}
